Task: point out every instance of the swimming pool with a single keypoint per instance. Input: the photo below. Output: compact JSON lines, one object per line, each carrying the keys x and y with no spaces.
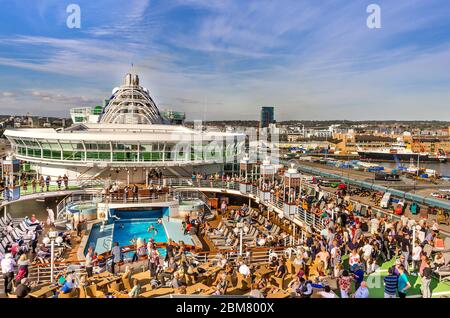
{"x":123,"y":232}
{"x":140,"y":213}
{"x":87,"y":209}
{"x":126,"y":230}
{"x":132,"y":224}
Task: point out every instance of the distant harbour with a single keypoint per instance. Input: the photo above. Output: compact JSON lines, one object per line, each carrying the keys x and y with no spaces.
{"x":442,"y":169}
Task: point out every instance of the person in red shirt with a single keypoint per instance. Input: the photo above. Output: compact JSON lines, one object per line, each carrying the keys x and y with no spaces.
{"x":188,"y":227}
{"x":399,"y":210}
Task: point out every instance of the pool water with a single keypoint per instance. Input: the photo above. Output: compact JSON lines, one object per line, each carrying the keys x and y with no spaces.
{"x":133,"y":224}
{"x":139,"y":213}
{"x":86,"y":208}
{"x":126,"y":230}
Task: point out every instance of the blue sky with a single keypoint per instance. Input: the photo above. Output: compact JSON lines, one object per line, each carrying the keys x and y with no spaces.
{"x":225,"y":59}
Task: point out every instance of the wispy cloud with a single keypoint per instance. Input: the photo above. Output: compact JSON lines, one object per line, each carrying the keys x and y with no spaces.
{"x":228,"y":58}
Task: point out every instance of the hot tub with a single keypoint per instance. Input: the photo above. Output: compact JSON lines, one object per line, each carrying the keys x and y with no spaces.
{"x":87,"y":210}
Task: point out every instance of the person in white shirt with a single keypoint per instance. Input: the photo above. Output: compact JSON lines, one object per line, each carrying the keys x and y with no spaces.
{"x":51,"y":216}
{"x":371,"y":266}
{"x":298,"y":260}
{"x":244,"y":270}
{"x":261,"y":241}
{"x":222,"y":262}
{"x":435,"y":226}
{"x":7,"y":265}
{"x":374,"y":224}
{"x":327,"y":293}
{"x":255,"y":292}
{"x":353,"y":259}
{"x":88,"y":262}
{"x":362,"y":291}
{"x":116,"y":256}
{"x":367,"y":250}
{"x":416,"y":256}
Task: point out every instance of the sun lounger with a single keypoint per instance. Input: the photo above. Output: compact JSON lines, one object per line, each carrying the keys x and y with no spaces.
{"x":23,"y":227}
{"x":443,"y":272}
{"x":158,"y":292}
{"x":10,"y":239}
{"x":92,"y":292}
{"x":3,"y":223}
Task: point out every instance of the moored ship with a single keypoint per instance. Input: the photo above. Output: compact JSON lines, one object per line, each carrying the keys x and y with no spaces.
{"x":399,"y":152}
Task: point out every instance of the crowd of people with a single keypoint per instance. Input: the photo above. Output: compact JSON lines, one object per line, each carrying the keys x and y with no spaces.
{"x":21,"y":247}
{"x":37,"y":183}
{"x":332,"y":261}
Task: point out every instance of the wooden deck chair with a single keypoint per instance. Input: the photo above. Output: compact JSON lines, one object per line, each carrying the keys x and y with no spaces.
{"x":190,"y":279}
{"x":92,"y":292}
{"x":290,"y":267}
{"x":113,"y":287}
{"x":67,"y":295}
{"x":244,"y":283}
{"x":126,"y":283}
{"x":278,"y":282}
{"x":81,"y":292}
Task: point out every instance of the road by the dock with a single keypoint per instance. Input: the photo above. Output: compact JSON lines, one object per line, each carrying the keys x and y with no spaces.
{"x":405,"y":184}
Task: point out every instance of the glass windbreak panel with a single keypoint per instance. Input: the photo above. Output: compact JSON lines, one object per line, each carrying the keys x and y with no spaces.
{"x":91,"y":146}
{"x":125,"y":156}
{"x":56,"y":154}
{"x":104,"y":155}
{"x":182,"y":152}
{"x":91,"y":154}
{"x":130,"y":147}
{"x":67,"y":145}
{"x":54,"y":145}
{"x":21,"y":142}
{"x":27,"y":142}
{"x":118,"y":146}
{"x":47,"y":154}
{"x":97,"y":110}
{"x":22,"y":151}
{"x":168,"y":152}
{"x":118,"y":156}
{"x":131,"y":156}
{"x":73,"y":155}
{"x":104,"y":146}
{"x":34,"y":152}
{"x":229,"y":149}
{"x":45,"y":145}
{"x":213,"y":151}
{"x":157,"y":156}
{"x":196,"y":152}
{"x":146,"y":147}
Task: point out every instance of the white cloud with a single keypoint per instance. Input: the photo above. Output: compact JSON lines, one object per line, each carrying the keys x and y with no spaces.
{"x":8,"y":94}
{"x":309,"y":60}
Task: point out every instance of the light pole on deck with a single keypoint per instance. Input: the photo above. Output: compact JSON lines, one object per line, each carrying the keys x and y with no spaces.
{"x":240,"y":227}
{"x":51,"y":238}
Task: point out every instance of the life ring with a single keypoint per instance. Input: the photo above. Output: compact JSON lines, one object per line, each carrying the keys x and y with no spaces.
{"x":289,"y":251}
{"x":272,"y":254}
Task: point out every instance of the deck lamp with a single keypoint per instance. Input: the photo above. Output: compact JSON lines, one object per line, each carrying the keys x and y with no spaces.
{"x":240,"y":226}
{"x":51,"y":238}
